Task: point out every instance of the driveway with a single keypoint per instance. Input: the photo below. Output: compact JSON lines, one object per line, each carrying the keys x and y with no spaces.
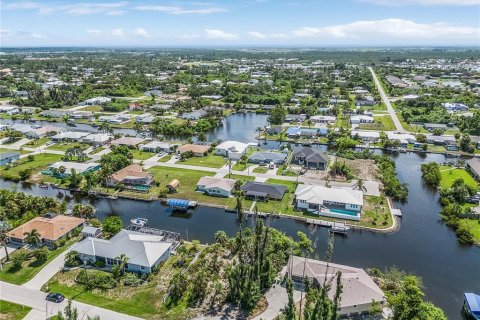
{"x":47,"y":272}
{"x":36,"y":300}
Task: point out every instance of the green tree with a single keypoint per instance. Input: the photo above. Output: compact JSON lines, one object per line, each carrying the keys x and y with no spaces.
{"x":32,"y":238}
{"x":112,"y":225}
{"x":431,"y":174}
{"x":277,"y":115}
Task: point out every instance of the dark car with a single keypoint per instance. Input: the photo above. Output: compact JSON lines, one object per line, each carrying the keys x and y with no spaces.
{"x":55,"y":297}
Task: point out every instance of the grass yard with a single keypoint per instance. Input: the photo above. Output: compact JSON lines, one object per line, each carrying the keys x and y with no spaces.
{"x":64,"y":146}
{"x":141,"y":155}
{"x":473,"y":226}
{"x":241,"y":166}
{"x":449,"y":175}
{"x":12,"y":311}
{"x":30,"y":267}
{"x":143,"y":301}
{"x":3,"y":150}
{"x":40,"y":162}
{"x":165,"y":158}
{"x":240,"y":177}
{"x":210,"y":161}
{"x":92,"y":108}
{"x":260,"y":170}
{"x":384,"y":123}
{"x":35,"y":143}
{"x":288,"y":172}
{"x":97,"y":150}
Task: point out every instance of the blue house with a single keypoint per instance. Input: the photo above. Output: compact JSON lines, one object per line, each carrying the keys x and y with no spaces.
{"x":8,"y":157}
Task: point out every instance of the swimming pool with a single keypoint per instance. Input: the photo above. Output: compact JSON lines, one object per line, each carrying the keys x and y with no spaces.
{"x":343,"y":211}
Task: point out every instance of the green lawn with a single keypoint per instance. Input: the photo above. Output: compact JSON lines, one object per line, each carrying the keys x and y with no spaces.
{"x":64,"y":146}
{"x":282,"y":168}
{"x":12,"y":311}
{"x":30,"y":267}
{"x":384,"y":123}
{"x":2,"y":150}
{"x":165,"y":158}
{"x":92,"y":108}
{"x":210,"y":161}
{"x":260,"y":170}
{"x":473,"y":226}
{"x":97,"y":150}
{"x":449,"y":175}
{"x":35,"y":143}
{"x":241,"y":166}
{"x":141,"y":155}
{"x":143,"y":301}
{"x":240,"y":177}
{"x":40,"y":162}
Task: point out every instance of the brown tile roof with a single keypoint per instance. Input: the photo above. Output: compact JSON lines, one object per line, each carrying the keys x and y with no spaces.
{"x":128,"y":141}
{"x":195,"y":148}
{"x":50,"y":229}
{"x":133,"y":170}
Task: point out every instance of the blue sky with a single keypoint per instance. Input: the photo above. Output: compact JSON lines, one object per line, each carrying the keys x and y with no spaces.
{"x":241,"y":22}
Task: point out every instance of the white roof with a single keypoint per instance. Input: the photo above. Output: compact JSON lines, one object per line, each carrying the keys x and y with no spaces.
{"x":233,"y":146}
{"x":23,"y":128}
{"x":70,"y":135}
{"x":141,"y":249}
{"x":156,"y":144}
{"x":319,"y":194}
{"x":98,"y":137}
{"x":219,"y":183}
{"x":400,"y":136}
{"x":373,"y":134}
{"x":79,"y":167}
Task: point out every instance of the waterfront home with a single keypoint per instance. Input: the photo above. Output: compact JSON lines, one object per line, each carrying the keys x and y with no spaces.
{"x":145,"y":118}
{"x":50,"y":228}
{"x":8,"y":109}
{"x":310,"y":157}
{"x":42,"y":132}
{"x":219,"y":187}
{"x":115,"y":119}
{"x":61,"y":169}
{"x":89,"y":231}
{"x":330,"y":202}
{"x":97,"y":139}
{"x":323,"y":119}
{"x":365,"y":136}
{"x":403,"y":138}
{"x":156,"y":146}
{"x":81,"y":115}
{"x":361,"y":119}
{"x":132,"y":177}
{"x":263,"y":191}
{"x":197,"y":150}
{"x":262,"y":157}
{"x":144,"y":251}
{"x":54,"y":113}
{"x":274,"y":130}
{"x":8,"y":157}
{"x":194,"y":115}
{"x":452,"y":107}
{"x":96,"y":101}
{"x":295,"y":117}
{"x":131,"y":142}
{"x":74,"y":136}
{"x":474,"y":166}
{"x":233,"y":149}
{"x":440,"y":140}
{"x":22,"y":128}
{"x":433,"y":126}
{"x":359,"y":292}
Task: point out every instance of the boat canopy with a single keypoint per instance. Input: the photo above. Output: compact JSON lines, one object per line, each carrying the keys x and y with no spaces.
{"x":178,"y":203}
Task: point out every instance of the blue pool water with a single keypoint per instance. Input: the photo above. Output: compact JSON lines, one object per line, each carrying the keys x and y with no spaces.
{"x":342,"y":211}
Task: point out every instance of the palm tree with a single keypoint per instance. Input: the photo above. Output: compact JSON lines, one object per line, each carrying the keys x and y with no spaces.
{"x":360,"y":185}
{"x":32,"y":237}
{"x":123,"y":261}
{"x":71,"y":257}
{"x":3,"y":242}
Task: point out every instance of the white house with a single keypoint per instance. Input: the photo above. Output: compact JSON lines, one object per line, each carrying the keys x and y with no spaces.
{"x":144,"y":251}
{"x":330,"y":202}
{"x":361,"y":119}
{"x":97,"y":139}
{"x":234,"y":149}
{"x":69,"y":136}
{"x":156,"y":146}
{"x":218,"y":187}
{"x":43,"y":132}
{"x":366,"y":136}
{"x":323,"y":119}
{"x":97,"y":100}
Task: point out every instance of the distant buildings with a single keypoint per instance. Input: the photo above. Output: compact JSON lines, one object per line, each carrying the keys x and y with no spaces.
{"x":396,"y":82}
{"x":454,"y":107}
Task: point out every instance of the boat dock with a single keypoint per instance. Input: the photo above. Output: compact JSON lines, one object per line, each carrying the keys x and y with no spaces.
{"x":397,"y":212}
{"x":181,"y":204}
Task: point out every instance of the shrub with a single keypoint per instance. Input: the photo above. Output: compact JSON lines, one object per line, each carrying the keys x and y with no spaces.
{"x":131,"y":279}
{"x":100,"y":264}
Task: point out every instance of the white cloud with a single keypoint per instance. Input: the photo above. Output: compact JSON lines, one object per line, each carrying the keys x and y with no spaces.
{"x":257,"y":34}
{"x":176,"y":10}
{"x":117,"y":32}
{"x":391,"y":31}
{"x":425,"y":2}
{"x":38,"y":36}
{"x":77,"y":9}
{"x":220,"y":34}
{"x":141,"y":32}
{"x":189,"y":36}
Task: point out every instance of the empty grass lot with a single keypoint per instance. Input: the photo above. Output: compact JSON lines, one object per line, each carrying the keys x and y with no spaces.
{"x":12,"y":311}
{"x":384,"y":123}
{"x":450,"y":174}
{"x":4,"y":150}
{"x":473,"y":226}
{"x":141,"y":155}
{"x":210,"y":161}
{"x":67,"y":145}
{"x":40,"y":162}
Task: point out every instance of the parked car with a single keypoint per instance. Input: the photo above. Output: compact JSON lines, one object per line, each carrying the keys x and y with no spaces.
{"x":55,"y":297}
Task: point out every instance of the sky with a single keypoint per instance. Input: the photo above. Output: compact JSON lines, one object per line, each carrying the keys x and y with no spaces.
{"x":231,"y":23}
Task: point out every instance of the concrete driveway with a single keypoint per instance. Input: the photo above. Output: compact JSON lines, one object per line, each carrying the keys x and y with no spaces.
{"x":47,"y":272}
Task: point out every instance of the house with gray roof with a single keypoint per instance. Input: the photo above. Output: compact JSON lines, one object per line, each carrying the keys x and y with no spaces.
{"x":310,"y":157}
{"x":144,"y":251}
{"x":474,"y":166}
{"x":267,"y":157}
{"x":359,"y":292}
{"x":218,"y":187}
{"x":263,"y":191}
{"x":8,"y":157}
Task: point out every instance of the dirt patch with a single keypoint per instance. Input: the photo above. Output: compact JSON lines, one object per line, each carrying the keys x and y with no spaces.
{"x":35,"y":178}
{"x":362,"y":169}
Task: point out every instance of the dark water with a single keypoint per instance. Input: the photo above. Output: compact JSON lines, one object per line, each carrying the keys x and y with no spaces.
{"x":239,"y":127}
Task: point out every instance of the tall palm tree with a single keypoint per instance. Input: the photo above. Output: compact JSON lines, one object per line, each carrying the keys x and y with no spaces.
{"x":360,"y":185}
{"x":123,"y":261}
{"x":3,"y":242}
{"x":32,"y":237}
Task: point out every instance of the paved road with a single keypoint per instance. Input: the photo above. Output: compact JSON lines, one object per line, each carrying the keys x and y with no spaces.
{"x":47,"y":272}
{"x":390,"y":109}
{"x":36,"y":300}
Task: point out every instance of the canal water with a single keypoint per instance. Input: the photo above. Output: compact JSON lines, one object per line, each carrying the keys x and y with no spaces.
{"x":423,"y":245}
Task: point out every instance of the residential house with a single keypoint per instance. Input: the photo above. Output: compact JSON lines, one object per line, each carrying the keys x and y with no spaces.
{"x":56,"y":168}
{"x":115,"y":119}
{"x":92,"y":232}
{"x":131,"y":142}
{"x":274,"y":130}
{"x":433,"y":126}
{"x":8,"y":157}
{"x":323,"y":119}
{"x":145,"y":118}
{"x":232,"y":149}
{"x":74,"y":136}
{"x":365,"y":136}
{"x":132,"y":177}
{"x":403,"y":138}
{"x":359,"y":291}
{"x":260,"y":157}
{"x":474,"y":166}
{"x":361,"y":119}
{"x":263,"y":191}
{"x":97,"y":101}
{"x":22,"y":128}
{"x":396,"y":82}
{"x":8,"y":109}
{"x":295,"y":117}
{"x":144,"y":251}
{"x":440,"y":140}
{"x":451,"y":107}
{"x":197,"y":150}
{"x":219,"y":187}
{"x":156,"y":146}
{"x":81,"y":115}
{"x":194,"y":115}
{"x":213,"y":97}
{"x":310,"y":157}
{"x":97,"y":139}
{"x":51,"y":229}
{"x":54,"y":113}
{"x":330,"y":202}
{"x":44,"y":131}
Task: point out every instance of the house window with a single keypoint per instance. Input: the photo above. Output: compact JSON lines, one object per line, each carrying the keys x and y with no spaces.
{"x":142,"y":267}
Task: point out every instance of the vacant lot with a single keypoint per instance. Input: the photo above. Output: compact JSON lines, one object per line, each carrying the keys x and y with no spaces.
{"x":210,"y":161}
{"x":12,"y":311}
{"x":40,"y":162}
{"x":450,"y":174}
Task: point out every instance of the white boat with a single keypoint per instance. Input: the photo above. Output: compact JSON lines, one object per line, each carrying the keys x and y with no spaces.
{"x":141,"y":222}
{"x":339,"y":228}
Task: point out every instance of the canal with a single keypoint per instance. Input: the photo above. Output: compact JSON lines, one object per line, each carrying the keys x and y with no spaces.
{"x":423,"y":245}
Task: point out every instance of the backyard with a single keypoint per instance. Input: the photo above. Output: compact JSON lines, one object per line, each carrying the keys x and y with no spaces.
{"x":41,"y":161}
{"x":141,"y":155}
{"x":64,"y":146}
{"x":450,"y":174}
{"x":384,"y":123}
{"x":12,"y":311}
